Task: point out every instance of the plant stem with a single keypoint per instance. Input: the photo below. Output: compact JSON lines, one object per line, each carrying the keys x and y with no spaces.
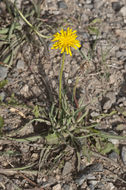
{"x":29,"y":24}
{"x":60,"y":80}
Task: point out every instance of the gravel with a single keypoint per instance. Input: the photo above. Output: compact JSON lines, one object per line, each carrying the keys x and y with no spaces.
{"x":123,"y":154}
{"x":3,"y":72}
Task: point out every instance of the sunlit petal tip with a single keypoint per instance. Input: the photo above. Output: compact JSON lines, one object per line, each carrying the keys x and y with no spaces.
{"x":75,"y":47}
{"x":70,"y":52}
{"x":67,"y":50}
{"x":62,"y":50}
{"x":78,"y":45}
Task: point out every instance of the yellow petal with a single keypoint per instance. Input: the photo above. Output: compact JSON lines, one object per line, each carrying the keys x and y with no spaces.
{"x":70,"y":52}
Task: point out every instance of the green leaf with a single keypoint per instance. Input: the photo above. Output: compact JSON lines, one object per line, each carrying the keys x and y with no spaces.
{"x":52,"y":139}
{"x":4,"y":31}
{"x":11,"y":31}
{"x":3,"y":83}
{"x":7,"y":59}
{"x":108,"y":148}
{"x":36,"y":111}
{"x":83,"y":116}
{"x":1,"y":124}
{"x":124,"y":113}
{"x":96,"y":20}
{"x":93,"y":30}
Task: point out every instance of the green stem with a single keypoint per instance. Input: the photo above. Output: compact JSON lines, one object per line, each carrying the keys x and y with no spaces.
{"x":29,"y":24}
{"x":60,"y":80}
{"x":83,"y":55}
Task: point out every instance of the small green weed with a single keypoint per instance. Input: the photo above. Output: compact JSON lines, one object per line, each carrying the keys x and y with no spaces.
{"x":3,"y":83}
{"x":1,"y":125}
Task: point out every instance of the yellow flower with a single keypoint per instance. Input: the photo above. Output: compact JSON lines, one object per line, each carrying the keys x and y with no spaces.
{"x":65,"y":40}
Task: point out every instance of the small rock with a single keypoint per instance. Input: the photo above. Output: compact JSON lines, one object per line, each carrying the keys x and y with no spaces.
{"x":107,"y":105}
{"x":85,"y":174}
{"x":112,"y":79}
{"x":57,"y":187}
{"x":110,"y":186}
{"x":120,"y":33}
{"x":112,"y":100}
{"x":62,"y":5}
{"x":91,"y":177}
{"x":34,"y":156}
{"x":123,"y":154}
{"x":36,"y":91}
{"x":46,"y":183}
{"x":91,"y":187}
{"x":94,"y":114}
{"x":114,"y":141}
{"x":123,"y":12}
{"x":2,"y":96}
{"x":116,"y":6}
{"x":69,"y":81}
{"x":25,"y":91}
{"x":20,"y":65}
{"x":121,"y":127}
{"x":113,"y":156}
{"x":84,"y":18}
{"x":92,"y":183}
{"x":94,"y":168}
{"x":67,"y":168}
{"x":121,"y":100}
{"x":88,"y":1}
{"x":3,"y":72}
{"x":81,"y":179}
{"x":121,"y":54}
{"x":99,"y":4}
{"x":66,"y":187}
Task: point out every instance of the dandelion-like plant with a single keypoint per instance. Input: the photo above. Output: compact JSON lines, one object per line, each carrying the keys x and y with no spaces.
{"x":65,"y":40}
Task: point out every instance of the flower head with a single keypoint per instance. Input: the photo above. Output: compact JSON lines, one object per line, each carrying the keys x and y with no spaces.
{"x":65,"y":40}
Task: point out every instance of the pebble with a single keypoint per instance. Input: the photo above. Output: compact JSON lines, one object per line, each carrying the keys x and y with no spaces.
{"x":114,"y":141}
{"x":67,"y":168}
{"x":121,"y":54}
{"x":113,"y":156}
{"x":111,"y":101}
{"x":80,"y":180}
{"x":2,"y":96}
{"x":20,"y":65}
{"x":99,"y":4}
{"x":94,"y":114}
{"x":121,"y":127}
{"x":123,"y":12}
{"x":25,"y":91}
{"x":116,"y":6}
{"x":88,"y":1}
{"x":110,"y":186}
{"x":62,"y":5}
{"x":123,"y":154}
{"x":3,"y":72}
{"x":112,"y":78}
{"x":87,"y":173}
{"x":69,"y":81}
{"x":120,"y":33}
{"x":66,"y":187}
{"x":92,"y":183}
{"x":84,"y":18}
{"x":34,"y":156}
{"x":57,"y":187}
